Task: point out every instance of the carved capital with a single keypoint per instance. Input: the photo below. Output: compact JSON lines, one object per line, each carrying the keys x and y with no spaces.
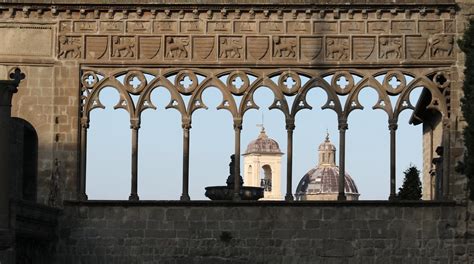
{"x":135,"y":124}
{"x":392,"y":125}
{"x":290,"y":124}
{"x":342,"y":124}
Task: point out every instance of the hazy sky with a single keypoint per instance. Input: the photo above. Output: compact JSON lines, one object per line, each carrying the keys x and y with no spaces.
{"x":212,"y":142}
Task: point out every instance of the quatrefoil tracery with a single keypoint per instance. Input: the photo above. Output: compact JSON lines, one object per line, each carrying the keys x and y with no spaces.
{"x":237,"y":84}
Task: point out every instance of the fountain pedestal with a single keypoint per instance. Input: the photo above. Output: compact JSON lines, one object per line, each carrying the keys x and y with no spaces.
{"x":226,"y":193}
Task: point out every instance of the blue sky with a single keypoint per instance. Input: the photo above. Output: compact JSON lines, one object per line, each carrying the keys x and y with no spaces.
{"x":212,"y":142}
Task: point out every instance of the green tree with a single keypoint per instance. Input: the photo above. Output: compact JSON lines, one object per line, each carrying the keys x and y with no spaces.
{"x":467,"y":46}
{"x":411,"y":188}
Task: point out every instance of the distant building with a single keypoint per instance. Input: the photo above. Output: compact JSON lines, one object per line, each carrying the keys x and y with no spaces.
{"x":262,"y":166}
{"x":321,"y":183}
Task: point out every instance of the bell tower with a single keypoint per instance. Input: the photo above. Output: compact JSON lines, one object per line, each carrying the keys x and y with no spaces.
{"x":262,"y":166}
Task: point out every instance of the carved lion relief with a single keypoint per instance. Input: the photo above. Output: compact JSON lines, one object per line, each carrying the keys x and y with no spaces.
{"x":442,"y":46}
{"x":70,"y":47}
{"x":284,"y":47}
{"x":177,"y":47}
{"x":230,"y":48}
{"x":337,"y":48}
{"x":123,"y":47}
{"x":390,"y":47}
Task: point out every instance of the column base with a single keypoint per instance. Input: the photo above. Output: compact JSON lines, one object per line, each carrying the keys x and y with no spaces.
{"x":185,"y":197}
{"x":133,"y":197}
{"x":341,"y":197}
{"x":83,"y":197}
{"x":393,"y":197}
{"x":289,"y":197}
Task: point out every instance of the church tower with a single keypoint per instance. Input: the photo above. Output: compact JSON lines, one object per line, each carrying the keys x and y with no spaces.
{"x":262,"y":166}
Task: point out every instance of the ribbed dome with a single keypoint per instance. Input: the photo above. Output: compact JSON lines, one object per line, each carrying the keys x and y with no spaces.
{"x":263,"y":144}
{"x":324,"y":180}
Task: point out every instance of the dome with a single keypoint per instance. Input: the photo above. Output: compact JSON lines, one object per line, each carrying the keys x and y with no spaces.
{"x":263,"y":144}
{"x":322,"y":182}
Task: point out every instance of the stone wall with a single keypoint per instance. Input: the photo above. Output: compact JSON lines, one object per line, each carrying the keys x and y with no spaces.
{"x":264,"y":232}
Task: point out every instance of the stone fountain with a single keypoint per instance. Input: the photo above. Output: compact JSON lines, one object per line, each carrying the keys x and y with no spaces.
{"x":227,"y":192}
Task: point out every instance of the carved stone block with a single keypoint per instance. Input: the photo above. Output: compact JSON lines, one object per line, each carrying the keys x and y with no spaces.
{"x":96,"y":47}
{"x":364,"y":48}
{"x":428,"y":27}
{"x":165,"y":26}
{"x":219,"y":27}
{"x":177,"y":47}
{"x":149,"y":47}
{"x":123,"y":47}
{"x":231,"y":48}
{"x":416,"y":47}
{"x":442,"y":46}
{"x":378,"y":27}
{"x":390,"y":48}
{"x":194,"y":26}
{"x":204,"y":48}
{"x":284,"y":47}
{"x":404,"y":27}
{"x":352,"y":27}
{"x":311,"y":48}
{"x":111,"y":26}
{"x":138,"y":27}
{"x":337,"y":48}
{"x":298,"y":27}
{"x":271,"y":27}
{"x":323,"y":27}
{"x":85,"y":26}
{"x":257,"y":48}
{"x":449,"y":26}
{"x":245,"y":27}
{"x":70,"y":47}
{"x":65,"y":26}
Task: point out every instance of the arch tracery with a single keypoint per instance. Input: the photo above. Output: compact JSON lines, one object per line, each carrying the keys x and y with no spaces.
{"x":233,"y":83}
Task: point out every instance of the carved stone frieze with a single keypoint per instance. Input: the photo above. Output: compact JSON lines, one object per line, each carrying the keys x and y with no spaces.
{"x":284,"y":47}
{"x":231,"y":48}
{"x":257,"y":47}
{"x":442,"y":46}
{"x":149,"y":47}
{"x":70,"y":47}
{"x":177,"y":47}
{"x":123,"y":47}
{"x":390,"y":48}
{"x":337,"y":48}
{"x":245,"y":36}
{"x":96,"y":47}
{"x":204,"y":48}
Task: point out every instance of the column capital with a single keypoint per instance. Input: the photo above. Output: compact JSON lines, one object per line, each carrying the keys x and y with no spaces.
{"x":135,"y":123}
{"x":392,"y":125}
{"x":290,"y":124}
{"x":342,"y":124}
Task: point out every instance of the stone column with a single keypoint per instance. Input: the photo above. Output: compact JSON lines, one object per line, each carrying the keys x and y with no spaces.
{"x":186,"y":127}
{"x":393,"y":155}
{"x":7,"y":89}
{"x":342,"y":160}
{"x":290,"y":127}
{"x":135,"y":126}
{"x":237,"y":130}
{"x":82,"y":196}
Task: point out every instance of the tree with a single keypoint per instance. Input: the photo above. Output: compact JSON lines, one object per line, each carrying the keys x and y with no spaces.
{"x":467,"y":46}
{"x":411,"y":188}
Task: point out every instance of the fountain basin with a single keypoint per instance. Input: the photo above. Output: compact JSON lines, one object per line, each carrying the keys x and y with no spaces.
{"x":217,"y":193}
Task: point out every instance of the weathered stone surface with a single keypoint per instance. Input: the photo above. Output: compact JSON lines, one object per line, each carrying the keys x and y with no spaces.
{"x":200,"y":234}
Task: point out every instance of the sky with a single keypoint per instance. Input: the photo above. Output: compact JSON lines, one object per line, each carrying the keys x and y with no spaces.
{"x":212,"y":142}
